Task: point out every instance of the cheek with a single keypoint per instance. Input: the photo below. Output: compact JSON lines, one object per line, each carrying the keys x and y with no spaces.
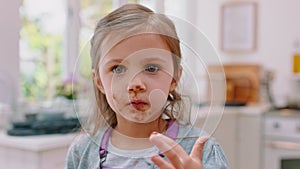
{"x":112,"y":86}
{"x":163,"y":84}
{"x":114,"y":97}
{"x":115,"y":100}
{"x":112,"y":100}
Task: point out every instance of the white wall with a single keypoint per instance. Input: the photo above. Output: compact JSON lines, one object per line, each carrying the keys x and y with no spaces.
{"x":9,"y":48}
{"x":278,"y":28}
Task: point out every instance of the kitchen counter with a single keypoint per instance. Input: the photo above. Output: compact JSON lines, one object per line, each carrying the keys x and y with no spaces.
{"x":284,"y":113}
{"x":249,"y":110}
{"x":34,"y":152}
{"x":237,"y":129}
{"x":36,"y":143}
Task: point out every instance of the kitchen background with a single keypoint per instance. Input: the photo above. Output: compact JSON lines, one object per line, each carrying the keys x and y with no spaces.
{"x":277,"y":31}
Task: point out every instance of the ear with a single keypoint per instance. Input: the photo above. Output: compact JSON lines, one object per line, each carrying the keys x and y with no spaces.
{"x":176,"y":79}
{"x":173,"y":85}
{"x":97,"y":81}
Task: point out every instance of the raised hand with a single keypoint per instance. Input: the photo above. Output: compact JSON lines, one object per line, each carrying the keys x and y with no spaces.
{"x":176,"y":155}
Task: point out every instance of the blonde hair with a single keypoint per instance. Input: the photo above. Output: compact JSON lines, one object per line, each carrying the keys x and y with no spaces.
{"x":130,"y":20}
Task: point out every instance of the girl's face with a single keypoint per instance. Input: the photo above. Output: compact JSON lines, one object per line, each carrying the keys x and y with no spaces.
{"x":136,"y":77}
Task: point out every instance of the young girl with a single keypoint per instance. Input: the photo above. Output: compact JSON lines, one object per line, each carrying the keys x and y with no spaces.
{"x":139,"y":122}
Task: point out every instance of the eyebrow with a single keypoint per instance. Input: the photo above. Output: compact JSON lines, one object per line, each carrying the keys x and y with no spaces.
{"x":147,"y":59}
{"x":113,"y":61}
{"x":154,"y":59}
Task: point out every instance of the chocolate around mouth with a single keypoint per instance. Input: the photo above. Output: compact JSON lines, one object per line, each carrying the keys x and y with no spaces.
{"x":139,"y":105}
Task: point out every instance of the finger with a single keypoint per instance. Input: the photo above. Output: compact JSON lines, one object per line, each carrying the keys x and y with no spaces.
{"x":161,"y":141}
{"x":197,"y":150}
{"x":160,"y":162}
{"x":172,"y":150}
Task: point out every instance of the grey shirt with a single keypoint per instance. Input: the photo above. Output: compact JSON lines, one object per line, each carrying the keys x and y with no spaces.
{"x":84,"y":152}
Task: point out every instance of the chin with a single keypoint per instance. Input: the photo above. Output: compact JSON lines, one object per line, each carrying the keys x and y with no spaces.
{"x":143,"y":117}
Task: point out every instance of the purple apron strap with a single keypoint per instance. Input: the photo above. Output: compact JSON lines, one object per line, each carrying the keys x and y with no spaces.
{"x":105,"y":138}
{"x":172,"y":130}
{"x":103,"y":147}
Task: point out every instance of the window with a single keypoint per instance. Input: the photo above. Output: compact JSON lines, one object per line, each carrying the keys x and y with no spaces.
{"x":91,"y":11}
{"x":41,"y":47}
{"x":53,"y":34}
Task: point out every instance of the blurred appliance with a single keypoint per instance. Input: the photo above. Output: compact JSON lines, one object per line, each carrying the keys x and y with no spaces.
{"x":294,"y":92}
{"x":43,"y":127}
{"x":281,"y":139}
{"x":242,"y":83}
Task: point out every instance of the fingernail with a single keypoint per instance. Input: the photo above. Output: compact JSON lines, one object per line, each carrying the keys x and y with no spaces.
{"x":161,"y":155}
{"x":162,"y":142}
{"x":154,"y":133}
{"x":203,"y":139}
{"x":156,"y":157}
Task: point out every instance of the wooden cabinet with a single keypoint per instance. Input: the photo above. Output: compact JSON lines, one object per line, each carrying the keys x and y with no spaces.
{"x":225,"y":132}
{"x":249,"y":142}
{"x":226,"y":135}
{"x":239,"y":134}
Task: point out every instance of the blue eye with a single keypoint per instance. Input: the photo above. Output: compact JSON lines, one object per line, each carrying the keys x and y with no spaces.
{"x":152,"y":68}
{"x":119,"y":69}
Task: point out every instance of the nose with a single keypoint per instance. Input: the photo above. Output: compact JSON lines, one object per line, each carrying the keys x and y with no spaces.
{"x":136,"y":85}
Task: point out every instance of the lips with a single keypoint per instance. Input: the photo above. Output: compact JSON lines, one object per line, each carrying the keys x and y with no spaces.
{"x":139,"y":104}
